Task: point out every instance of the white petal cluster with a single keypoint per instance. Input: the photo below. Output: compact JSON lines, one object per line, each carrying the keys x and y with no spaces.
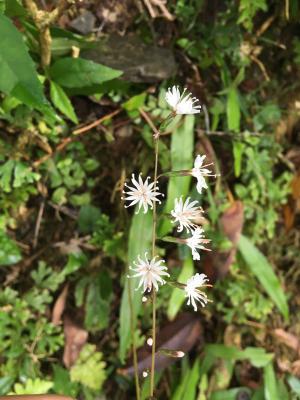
{"x":141,"y":193}
{"x":185,"y":213}
{"x":182,"y":103}
{"x":196,"y":242}
{"x":150,"y":272}
{"x":192,"y":290}
{"x":200,"y":171}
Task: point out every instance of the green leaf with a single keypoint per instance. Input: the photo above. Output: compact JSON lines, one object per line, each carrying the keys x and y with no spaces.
{"x":88,"y":217}
{"x":62,"y":102}
{"x":178,"y":295}
{"x":263,"y":271}
{"x":33,"y":386}
{"x":233,"y":110}
{"x":97,"y":303}
{"x":256,"y":355}
{"x":186,"y":390}
{"x":89,"y":368}
{"x":231,"y":394}
{"x":17,"y":67}
{"x":62,"y":382}
{"x":5,"y":384}
{"x":139,"y":242}
{"x":270,"y":381}
{"x":78,"y":73}
{"x":294,"y":384}
{"x":182,"y":146}
{"x":238,"y":148}
{"x":9,"y":251}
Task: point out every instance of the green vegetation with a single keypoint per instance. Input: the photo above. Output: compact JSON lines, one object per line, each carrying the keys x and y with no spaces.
{"x":72,"y":131}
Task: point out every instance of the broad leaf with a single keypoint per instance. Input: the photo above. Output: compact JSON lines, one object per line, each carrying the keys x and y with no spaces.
{"x":139,"y":242}
{"x":62,"y":102}
{"x":17,"y":67}
{"x":263,"y":271}
{"x":78,"y":73}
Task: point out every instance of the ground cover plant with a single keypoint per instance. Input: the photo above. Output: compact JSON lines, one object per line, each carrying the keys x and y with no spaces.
{"x":149,"y":192}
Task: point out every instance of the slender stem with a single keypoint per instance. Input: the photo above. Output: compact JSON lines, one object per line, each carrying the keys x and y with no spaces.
{"x":135,"y":361}
{"x":154,"y":222}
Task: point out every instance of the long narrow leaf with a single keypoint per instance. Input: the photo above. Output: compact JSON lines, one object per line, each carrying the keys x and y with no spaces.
{"x":139,"y":242}
{"x":263,"y":271}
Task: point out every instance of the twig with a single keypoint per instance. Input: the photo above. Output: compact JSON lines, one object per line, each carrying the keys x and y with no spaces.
{"x":149,"y":121}
{"x":38,"y":224}
{"x":77,"y":132}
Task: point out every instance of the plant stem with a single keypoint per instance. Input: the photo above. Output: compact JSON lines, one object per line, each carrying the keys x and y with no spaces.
{"x":43,"y":20}
{"x":156,"y":139}
{"x":135,"y":362}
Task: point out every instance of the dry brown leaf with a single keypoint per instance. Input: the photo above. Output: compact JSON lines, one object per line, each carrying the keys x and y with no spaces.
{"x":75,"y":338}
{"x":288,"y":216}
{"x":181,"y":334}
{"x":296,"y":368}
{"x":288,"y":339}
{"x":232,"y":221}
{"x":59,"y":306}
{"x":296,"y":187}
{"x":217,"y":264}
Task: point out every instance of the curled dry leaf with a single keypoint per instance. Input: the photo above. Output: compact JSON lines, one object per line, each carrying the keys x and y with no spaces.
{"x":180,"y":335}
{"x":75,"y":338}
{"x":59,"y":306}
{"x":217,"y":264}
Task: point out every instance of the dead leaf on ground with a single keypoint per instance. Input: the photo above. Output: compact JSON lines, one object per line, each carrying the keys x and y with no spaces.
{"x":59,"y":306}
{"x":75,"y":339}
{"x":217,"y":263}
{"x":288,"y":339}
{"x":181,"y":335}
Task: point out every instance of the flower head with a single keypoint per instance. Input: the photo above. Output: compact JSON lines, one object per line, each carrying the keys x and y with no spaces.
{"x":143,"y":193}
{"x":192,"y":290}
{"x":150,"y":272}
{"x":180,"y":103}
{"x":185,"y":213}
{"x":197,"y":241}
{"x":200,"y":171}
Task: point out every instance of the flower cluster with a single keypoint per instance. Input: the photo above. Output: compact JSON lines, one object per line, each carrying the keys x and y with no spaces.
{"x":186,"y":214}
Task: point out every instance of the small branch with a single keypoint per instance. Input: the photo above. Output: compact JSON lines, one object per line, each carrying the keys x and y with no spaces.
{"x":71,"y":139}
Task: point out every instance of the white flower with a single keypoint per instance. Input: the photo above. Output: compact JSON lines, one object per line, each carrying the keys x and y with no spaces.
{"x":200,"y":171}
{"x":182,"y":104}
{"x":150,"y":272}
{"x":143,"y":193}
{"x":196,"y":241}
{"x":192,"y":291}
{"x":186,"y":212}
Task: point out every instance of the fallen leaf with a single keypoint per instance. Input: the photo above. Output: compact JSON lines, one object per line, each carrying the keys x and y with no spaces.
{"x":59,"y":306}
{"x":75,"y":338}
{"x":217,"y":263}
{"x":179,"y":335}
{"x":288,"y":339}
{"x":232,"y":221}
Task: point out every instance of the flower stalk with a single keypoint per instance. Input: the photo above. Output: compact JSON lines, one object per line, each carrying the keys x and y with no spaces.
{"x":154,"y":222}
